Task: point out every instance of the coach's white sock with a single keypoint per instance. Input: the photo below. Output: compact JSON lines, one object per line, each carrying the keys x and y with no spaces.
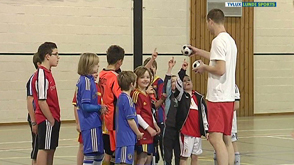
{"x":214,"y":158}
{"x":237,"y":158}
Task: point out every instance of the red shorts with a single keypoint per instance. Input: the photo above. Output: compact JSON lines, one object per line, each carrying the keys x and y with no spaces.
{"x":80,"y":139}
{"x":220,"y":117}
{"x":112,"y":140}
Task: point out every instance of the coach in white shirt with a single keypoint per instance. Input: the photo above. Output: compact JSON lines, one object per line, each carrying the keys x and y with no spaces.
{"x":221,"y":86}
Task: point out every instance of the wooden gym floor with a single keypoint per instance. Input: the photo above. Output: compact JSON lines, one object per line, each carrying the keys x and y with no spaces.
{"x":263,"y":140}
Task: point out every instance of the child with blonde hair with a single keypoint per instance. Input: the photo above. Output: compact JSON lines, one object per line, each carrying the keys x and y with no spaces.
{"x":148,"y":125}
{"x":89,"y":110}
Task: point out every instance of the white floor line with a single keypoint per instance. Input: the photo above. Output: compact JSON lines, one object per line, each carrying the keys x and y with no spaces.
{"x":26,"y":157}
{"x":264,"y":130}
{"x":27,"y":128}
{"x":268,"y":136}
{"x":21,"y":142}
{"x":28,"y":149}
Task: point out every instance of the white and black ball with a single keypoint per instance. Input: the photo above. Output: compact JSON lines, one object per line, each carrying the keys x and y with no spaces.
{"x":186,"y":51}
{"x":195,"y":64}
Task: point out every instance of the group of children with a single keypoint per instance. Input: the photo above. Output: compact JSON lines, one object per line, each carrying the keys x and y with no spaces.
{"x":119,"y":113}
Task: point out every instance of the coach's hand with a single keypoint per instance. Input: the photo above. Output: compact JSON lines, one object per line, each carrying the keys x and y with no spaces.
{"x":201,"y":68}
{"x":195,"y":50}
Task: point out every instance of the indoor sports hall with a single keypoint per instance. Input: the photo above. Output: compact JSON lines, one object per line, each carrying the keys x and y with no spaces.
{"x":263,"y":33}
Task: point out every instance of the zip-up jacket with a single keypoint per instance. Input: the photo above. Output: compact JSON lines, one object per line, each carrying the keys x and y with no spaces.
{"x":171,"y":103}
{"x":184,"y":101}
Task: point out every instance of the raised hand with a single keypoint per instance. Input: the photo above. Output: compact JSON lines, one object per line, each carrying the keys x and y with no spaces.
{"x":185,"y":65}
{"x":171,"y":63}
{"x":154,"y":54}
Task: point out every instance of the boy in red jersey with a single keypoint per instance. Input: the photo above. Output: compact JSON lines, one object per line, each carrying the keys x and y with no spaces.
{"x":47,"y":105}
{"x":191,"y":118}
{"x":110,"y":91}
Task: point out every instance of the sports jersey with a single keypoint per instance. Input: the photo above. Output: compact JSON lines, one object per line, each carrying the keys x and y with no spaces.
{"x":87,"y":94}
{"x":125,"y":110}
{"x":30,"y":93}
{"x":110,"y":91}
{"x":191,"y":126}
{"x":74,"y":99}
{"x":157,"y":85}
{"x":44,"y":88}
{"x":143,"y":107}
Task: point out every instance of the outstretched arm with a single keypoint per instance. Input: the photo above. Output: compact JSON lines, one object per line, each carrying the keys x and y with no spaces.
{"x":199,"y":52}
{"x":153,"y":57}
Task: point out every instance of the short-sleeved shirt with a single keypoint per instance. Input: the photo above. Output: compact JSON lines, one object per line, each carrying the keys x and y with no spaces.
{"x":222,"y":88}
{"x":143,"y":108}
{"x":125,"y":110}
{"x":87,"y":94}
{"x":44,"y":88}
{"x":74,"y":99}
{"x":30,"y":93}
{"x":110,"y":91}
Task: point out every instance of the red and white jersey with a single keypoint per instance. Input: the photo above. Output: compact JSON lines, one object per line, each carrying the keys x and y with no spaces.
{"x":44,"y":88}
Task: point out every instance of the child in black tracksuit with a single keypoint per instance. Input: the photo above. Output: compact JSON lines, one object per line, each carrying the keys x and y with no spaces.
{"x":191,"y":117}
{"x":170,"y":133}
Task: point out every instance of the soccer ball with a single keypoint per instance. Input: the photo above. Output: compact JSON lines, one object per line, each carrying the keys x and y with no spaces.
{"x":195,"y":64}
{"x":186,"y":51}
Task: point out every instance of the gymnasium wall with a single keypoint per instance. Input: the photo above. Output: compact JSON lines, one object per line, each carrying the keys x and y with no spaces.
{"x":273,"y":59}
{"x":79,"y":26}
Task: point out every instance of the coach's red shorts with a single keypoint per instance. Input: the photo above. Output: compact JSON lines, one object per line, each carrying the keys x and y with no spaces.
{"x":220,"y":117}
{"x":80,"y":139}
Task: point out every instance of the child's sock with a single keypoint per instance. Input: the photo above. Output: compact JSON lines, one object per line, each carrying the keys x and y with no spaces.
{"x":214,"y":158}
{"x":93,"y":159}
{"x":237,"y":158}
{"x":88,"y":160}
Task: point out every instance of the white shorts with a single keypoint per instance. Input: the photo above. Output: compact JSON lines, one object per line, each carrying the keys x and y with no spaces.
{"x":234,"y":128}
{"x":190,"y":145}
{"x":234,"y":123}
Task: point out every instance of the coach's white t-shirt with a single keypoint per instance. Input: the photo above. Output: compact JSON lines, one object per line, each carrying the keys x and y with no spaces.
{"x":222,"y":88}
